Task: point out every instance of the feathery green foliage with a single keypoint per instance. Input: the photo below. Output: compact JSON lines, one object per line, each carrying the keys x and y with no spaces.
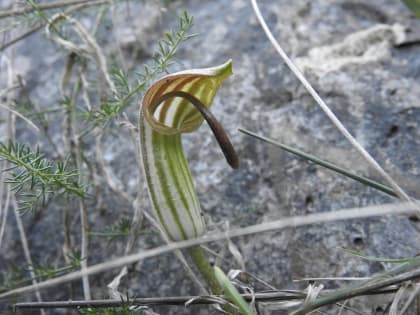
{"x":18,"y":276}
{"x":36,"y":179}
{"x":162,"y":59}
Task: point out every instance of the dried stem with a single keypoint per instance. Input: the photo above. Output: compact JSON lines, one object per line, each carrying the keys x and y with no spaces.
{"x":67,"y":144}
{"x":16,"y":113}
{"x":270,"y":296}
{"x":401,"y":194}
{"x":22,"y":36}
{"x":89,"y":47}
{"x":407,"y":208}
{"x":11,"y":133}
{"x":73,"y":146}
{"x":26,"y":250}
{"x":393,"y":310}
{"x":82,"y":205}
{"x":67,"y":244}
{"x":176,"y":300}
{"x":405,"y":272}
{"x":121,"y":59}
{"x":4,"y":211}
{"x":41,"y":25}
{"x":46,"y":6}
{"x":414,"y":296}
{"x":92,"y":50}
{"x":84,"y":248}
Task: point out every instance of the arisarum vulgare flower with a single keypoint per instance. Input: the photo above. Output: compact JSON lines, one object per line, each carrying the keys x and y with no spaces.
{"x":176,"y":104}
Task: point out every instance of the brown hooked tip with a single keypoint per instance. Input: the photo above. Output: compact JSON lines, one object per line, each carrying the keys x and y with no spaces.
{"x":218,"y":130}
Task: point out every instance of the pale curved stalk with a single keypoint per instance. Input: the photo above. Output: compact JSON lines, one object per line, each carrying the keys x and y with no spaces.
{"x":4,"y":211}
{"x":90,"y":49}
{"x":27,"y":120}
{"x":47,"y":6}
{"x":405,"y":208}
{"x":399,"y":191}
{"x":11,"y":200}
{"x":72,"y":131}
{"x":26,"y":251}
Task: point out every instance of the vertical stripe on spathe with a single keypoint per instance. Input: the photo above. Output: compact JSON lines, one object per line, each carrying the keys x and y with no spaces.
{"x":170,"y":186}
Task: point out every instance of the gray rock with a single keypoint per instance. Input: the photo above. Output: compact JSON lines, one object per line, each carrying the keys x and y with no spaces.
{"x":347,"y":51}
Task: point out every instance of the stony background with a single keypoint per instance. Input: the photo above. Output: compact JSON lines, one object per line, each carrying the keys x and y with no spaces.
{"x":348,"y":51}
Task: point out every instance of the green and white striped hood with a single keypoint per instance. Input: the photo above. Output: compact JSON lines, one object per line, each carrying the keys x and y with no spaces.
{"x":162,"y":120}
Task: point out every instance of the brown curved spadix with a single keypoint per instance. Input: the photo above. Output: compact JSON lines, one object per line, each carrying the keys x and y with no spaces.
{"x":175,"y":104}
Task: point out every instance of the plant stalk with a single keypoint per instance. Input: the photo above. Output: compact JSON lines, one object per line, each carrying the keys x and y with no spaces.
{"x":202,"y":263}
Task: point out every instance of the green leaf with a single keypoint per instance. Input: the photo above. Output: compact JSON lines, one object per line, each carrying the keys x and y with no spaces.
{"x":36,"y":179}
{"x":380,"y":259}
{"x":231,"y":293}
{"x":324,"y":163}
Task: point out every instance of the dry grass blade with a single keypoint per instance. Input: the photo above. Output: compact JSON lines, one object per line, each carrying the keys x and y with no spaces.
{"x":27,"y":120}
{"x":46,"y":6}
{"x":414,"y":294}
{"x":406,"y":208}
{"x":89,"y":48}
{"x":324,"y":163}
{"x":400,"y":192}
{"x":342,"y":307}
{"x":400,"y":274}
{"x":265,"y":297}
{"x":306,"y":279}
{"x":393,"y":310}
{"x":26,"y":251}
{"x":41,"y":25}
{"x":11,"y":135}
{"x":4,"y":210}
{"x":73,"y":134}
{"x":170,"y":300}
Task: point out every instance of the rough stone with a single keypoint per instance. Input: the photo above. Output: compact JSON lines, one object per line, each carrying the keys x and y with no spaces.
{"x":369,"y":82}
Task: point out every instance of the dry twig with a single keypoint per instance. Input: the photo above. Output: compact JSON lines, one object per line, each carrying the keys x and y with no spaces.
{"x":400,"y":274}
{"x":11,"y":134}
{"x":269,"y":296}
{"x":407,"y":208}
{"x":46,"y":6}
{"x":398,"y":190}
{"x":43,"y":24}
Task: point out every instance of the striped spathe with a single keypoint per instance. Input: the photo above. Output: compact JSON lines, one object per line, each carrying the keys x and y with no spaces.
{"x":162,"y":121}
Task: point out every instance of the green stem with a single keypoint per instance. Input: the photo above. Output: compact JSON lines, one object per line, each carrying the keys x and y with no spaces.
{"x":200,"y":260}
{"x":202,"y":263}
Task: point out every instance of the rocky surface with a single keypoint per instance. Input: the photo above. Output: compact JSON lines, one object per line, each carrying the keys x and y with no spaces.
{"x":348,"y":51}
